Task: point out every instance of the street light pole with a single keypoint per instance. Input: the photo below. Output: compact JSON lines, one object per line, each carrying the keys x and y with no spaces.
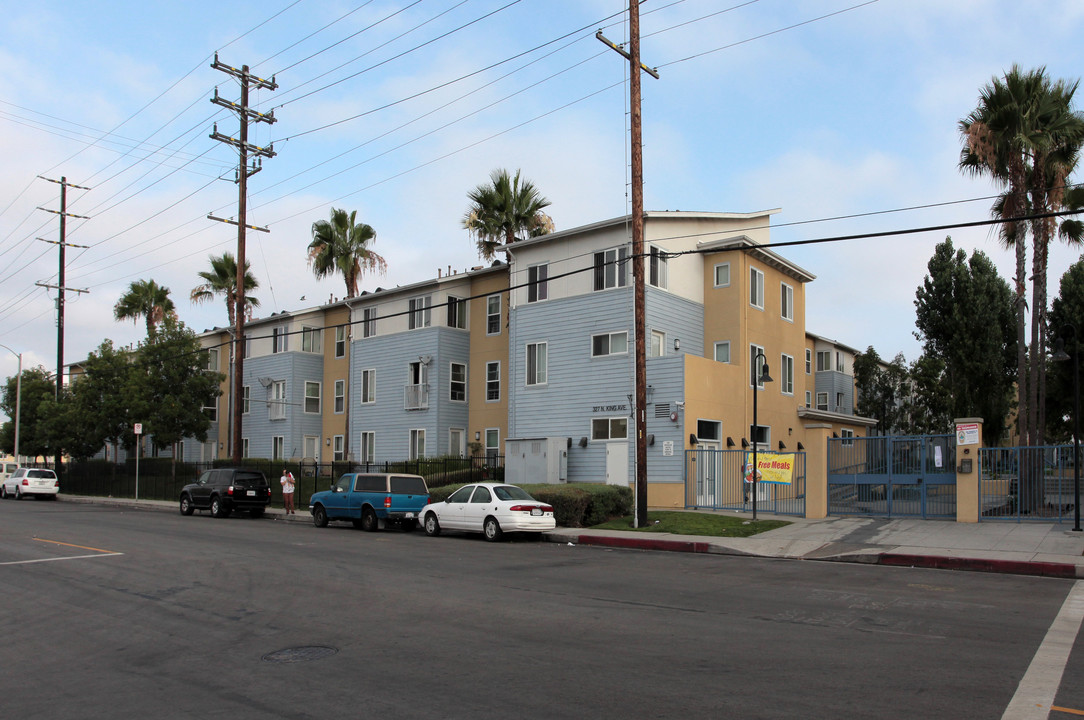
{"x":759,"y":378}
{"x":18,"y":397}
{"x":1060,"y":356}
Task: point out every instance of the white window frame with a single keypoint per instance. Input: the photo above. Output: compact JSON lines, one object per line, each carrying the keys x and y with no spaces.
{"x":603,"y":352}
{"x":754,"y":376}
{"x":538,"y":282}
{"x":338,"y":450}
{"x":786,"y":380}
{"x":491,"y":301}
{"x":611,"y":268}
{"x":808,"y":399}
{"x":211,"y":410}
{"x":657,"y":345}
{"x":457,"y":313}
{"x":808,"y":361}
{"x":309,"y":384}
{"x":846,"y":436}
{"x":824,"y":360}
{"x":340,"y":342}
{"x":246,"y":399}
{"x":278,"y":447}
{"x":657,"y":275}
{"x":417,"y":444}
{"x":368,"y":386}
{"x":716,"y":271}
{"x":719,"y":346}
{"x":756,"y":288}
{"x":452,"y":382}
{"x":535,"y":351}
{"x":420,"y":312}
{"x":608,"y":425}
{"x":244,"y":447}
{"x":368,"y":446}
{"x":312,"y":340}
{"x":280,"y":342}
{"x":839,"y":402}
{"x":493,"y":382}
{"x":786,"y":302}
{"x":839,"y":362}
{"x":822,"y":401}
{"x":368,"y":322}
{"x":212,"y":360}
{"x":340,"y":397}
{"x":276,"y":408}
{"x":492,"y":437}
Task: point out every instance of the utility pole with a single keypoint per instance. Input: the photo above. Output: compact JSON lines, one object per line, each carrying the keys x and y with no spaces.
{"x":639,"y":311}
{"x":61,"y":243}
{"x":245,"y":115}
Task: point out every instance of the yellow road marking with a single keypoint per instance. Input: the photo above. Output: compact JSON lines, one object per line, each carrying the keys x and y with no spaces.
{"x":81,"y":547}
{"x":1055,"y":708}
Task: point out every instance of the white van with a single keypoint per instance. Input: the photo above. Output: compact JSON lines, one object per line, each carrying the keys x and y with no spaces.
{"x":6,"y":469}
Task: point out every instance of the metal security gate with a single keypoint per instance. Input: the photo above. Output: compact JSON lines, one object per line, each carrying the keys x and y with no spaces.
{"x":1028,"y":484}
{"x":892,"y":476}
{"x":714,"y":481}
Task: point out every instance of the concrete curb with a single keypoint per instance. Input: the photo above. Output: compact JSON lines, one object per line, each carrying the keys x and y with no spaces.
{"x":1012,"y":567}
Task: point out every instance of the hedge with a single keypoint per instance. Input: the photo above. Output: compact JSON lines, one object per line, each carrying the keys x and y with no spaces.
{"x":574,"y":505}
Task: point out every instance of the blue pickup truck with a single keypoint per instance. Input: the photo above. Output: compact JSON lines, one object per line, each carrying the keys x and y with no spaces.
{"x":371,"y":500}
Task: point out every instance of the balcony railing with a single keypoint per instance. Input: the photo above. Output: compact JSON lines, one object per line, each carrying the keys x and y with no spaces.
{"x":417,"y":397}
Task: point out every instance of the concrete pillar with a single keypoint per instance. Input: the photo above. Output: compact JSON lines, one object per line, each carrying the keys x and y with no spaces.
{"x":968,"y":469}
{"x":816,"y":470}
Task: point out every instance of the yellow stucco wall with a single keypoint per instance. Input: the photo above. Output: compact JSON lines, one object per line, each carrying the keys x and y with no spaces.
{"x":483,"y":414}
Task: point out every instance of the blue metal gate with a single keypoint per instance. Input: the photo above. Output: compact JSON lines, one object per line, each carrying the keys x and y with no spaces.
{"x":892,"y":476}
{"x":1022,"y":484}
{"x":714,"y":481}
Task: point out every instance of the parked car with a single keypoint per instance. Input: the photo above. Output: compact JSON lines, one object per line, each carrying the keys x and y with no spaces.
{"x":371,"y":500}
{"x":6,"y":469}
{"x":38,"y":482}
{"x":489,"y":508}
{"x":224,"y":490}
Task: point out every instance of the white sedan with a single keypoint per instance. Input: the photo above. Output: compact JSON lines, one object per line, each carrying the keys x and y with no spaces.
{"x":38,"y":482}
{"x":489,"y":508}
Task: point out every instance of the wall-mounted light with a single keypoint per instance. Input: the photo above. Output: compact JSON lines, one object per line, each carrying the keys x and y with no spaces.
{"x":477,"y":435}
{"x":329,"y":442}
{"x":800,"y":446}
{"x":782,"y":446}
{"x":677,"y":344}
{"x":692,"y":439}
{"x":583,"y":442}
{"x":730,"y":442}
{"x":651,"y":439}
{"x":744,"y":443}
{"x":835,"y":435}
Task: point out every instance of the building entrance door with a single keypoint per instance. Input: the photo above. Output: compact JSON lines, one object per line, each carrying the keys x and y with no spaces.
{"x":617,"y":463}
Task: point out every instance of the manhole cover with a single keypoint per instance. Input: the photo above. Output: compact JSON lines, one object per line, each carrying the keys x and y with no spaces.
{"x":300,"y":654}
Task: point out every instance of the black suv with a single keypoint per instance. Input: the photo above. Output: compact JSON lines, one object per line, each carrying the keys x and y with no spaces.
{"x":224,"y":490}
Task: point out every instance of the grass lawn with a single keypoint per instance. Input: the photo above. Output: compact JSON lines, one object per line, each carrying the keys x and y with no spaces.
{"x":693,"y":523}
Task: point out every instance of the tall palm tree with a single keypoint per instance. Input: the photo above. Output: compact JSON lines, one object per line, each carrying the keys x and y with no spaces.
{"x":1024,"y":135}
{"x":341,"y":244}
{"x":221,"y":279}
{"x":503,"y":209}
{"x":144,"y":299}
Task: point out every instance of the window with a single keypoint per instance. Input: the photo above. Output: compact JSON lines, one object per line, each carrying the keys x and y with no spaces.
{"x":277,"y":405}
{"x":244,"y":447}
{"x":420,"y":313}
{"x":312,"y":397}
{"x":417,"y":444}
{"x":457,"y":313}
{"x":611,"y":344}
{"x":786,"y":379}
{"x":212,"y":359}
{"x":761,"y":434}
{"x":722,"y":351}
{"x":368,"y":322}
{"x":340,"y":396}
{"x":311,"y":340}
{"x":756,"y":288}
{"x":824,"y":360}
{"x":658,"y":344}
{"x":459,"y":382}
{"x":756,"y":362}
{"x":808,"y":361}
{"x":278,"y":340}
{"x":338,"y":453}
{"x":493,"y":442}
{"x":246,"y":393}
{"x":211,"y":409}
{"x":611,"y":268}
{"x":278,"y":448}
{"x":340,"y":342}
{"x":493,"y":315}
{"x":657,"y":268}
{"x":368,"y":446}
{"x":847,"y":437}
{"x":822,"y":401}
{"x":709,"y":430}
{"x":536,"y":364}
{"x":246,"y":347}
{"x":610,"y":428}
{"x":722,"y":275}
{"x":839,"y":361}
{"x":537,"y":285}
{"x":493,"y":381}
{"x":839,"y":402}
{"x":368,"y":386}
{"x":808,"y":399}
{"x":786,"y":301}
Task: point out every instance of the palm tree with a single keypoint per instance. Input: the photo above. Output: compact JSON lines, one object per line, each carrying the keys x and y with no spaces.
{"x":504,"y":208}
{"x":1025,"y":136}
{"x":145,"y":299}
{"x":222,"y":280}
{"x":341,"y":244}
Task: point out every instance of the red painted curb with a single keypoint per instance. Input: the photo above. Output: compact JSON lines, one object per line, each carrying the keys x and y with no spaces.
{"x":644,"y":543}
{"x":1016,"y":567}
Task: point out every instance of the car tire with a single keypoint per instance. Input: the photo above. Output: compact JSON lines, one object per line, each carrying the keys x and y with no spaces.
{"x":18,"y":493}
{"x":431,"y":525}
{"x":491,"y":529}
{"x":3,"y":492}
{"x":256,"y":513}
{"x":369,"y":522}
{"x":217,"y":511}
{"x":319,"y":516}
{"x":186,"y":505}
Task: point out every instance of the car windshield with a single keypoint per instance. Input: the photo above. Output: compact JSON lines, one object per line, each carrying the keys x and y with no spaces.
{"x":511,"y":492}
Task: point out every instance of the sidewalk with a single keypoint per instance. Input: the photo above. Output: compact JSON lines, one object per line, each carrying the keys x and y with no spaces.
{"x":1047,"y":549}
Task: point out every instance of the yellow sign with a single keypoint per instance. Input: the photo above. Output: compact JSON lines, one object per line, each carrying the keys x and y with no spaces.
{"x":772,"y":467}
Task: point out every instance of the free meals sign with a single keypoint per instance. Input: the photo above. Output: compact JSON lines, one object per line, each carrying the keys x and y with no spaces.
{"x":772,"y":467}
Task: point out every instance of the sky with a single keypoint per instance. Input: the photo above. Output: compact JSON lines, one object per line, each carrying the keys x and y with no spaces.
{"x":841,"y":113}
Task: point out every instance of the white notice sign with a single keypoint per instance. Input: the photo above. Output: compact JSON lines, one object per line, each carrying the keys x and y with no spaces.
{"x":668,"y":448}
{"x":967,"y":434}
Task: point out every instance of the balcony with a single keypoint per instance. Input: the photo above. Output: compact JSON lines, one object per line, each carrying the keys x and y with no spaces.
{"x":416,"y":397}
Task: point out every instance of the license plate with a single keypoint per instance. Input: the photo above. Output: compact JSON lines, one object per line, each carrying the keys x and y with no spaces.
{"x":252,"y":493}
{"x":536,"y":511}
{"x":409,"y":515}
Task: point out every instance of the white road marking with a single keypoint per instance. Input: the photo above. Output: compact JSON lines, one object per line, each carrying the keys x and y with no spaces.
{"x":1036,"y":691}
{"x":73,"y":557}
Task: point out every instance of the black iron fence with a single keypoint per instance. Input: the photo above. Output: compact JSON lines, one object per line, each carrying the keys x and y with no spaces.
{"x":162,"y":478}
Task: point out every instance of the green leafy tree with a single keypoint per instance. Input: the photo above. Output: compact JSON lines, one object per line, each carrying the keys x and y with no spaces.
{"x":221,"y":280}
{"x":929,"y":407}
{"x":1067,"y":325}
{"x":964,"y":318}
{"x":340,"y":244}
{"x":882,"y":390}
{"x":38,"y":401}
{"x":144,"y":299}
{"x":100,"y":408}
{"x":505,"y":208}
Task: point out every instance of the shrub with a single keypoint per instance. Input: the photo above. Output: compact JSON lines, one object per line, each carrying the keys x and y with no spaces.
{"x":569,"y":503}
{"x":607,"y":502}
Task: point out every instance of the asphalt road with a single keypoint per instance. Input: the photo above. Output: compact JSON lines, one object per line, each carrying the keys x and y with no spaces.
{"x":111,"y":613}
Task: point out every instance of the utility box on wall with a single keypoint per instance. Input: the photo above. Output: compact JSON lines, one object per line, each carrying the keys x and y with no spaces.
{"x":536,"y":460}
